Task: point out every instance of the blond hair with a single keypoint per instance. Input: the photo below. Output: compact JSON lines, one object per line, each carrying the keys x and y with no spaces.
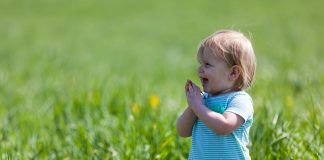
{"x":235,"y":49}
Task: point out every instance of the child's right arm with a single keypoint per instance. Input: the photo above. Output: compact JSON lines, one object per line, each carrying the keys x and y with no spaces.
{"x":185,"y":122}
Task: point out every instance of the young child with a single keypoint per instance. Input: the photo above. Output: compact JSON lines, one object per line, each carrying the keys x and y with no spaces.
{"x":219,"y":119}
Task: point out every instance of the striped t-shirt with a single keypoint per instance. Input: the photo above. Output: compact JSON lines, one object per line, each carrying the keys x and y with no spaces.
{"x":206,"y":144}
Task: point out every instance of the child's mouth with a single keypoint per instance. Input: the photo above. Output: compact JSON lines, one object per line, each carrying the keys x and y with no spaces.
{"x":204,"y":81}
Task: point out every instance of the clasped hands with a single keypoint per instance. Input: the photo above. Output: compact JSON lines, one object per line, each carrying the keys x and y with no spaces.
{"x":193,"y":93}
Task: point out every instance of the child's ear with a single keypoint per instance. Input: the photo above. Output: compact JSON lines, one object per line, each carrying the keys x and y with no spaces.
{"x":235,"y":73}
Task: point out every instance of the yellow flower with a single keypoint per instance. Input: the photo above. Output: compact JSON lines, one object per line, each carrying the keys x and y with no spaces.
{"x":289,"y":102}
{"x":135,"y":107}
{"x":154,"y":101}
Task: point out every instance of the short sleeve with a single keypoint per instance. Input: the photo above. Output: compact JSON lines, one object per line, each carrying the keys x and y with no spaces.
{"x":241,"y":105}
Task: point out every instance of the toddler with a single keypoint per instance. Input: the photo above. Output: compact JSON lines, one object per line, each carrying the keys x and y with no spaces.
{"x":220,"y":117}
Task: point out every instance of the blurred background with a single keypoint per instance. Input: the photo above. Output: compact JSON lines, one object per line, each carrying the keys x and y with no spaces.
{"x":105,"y":79}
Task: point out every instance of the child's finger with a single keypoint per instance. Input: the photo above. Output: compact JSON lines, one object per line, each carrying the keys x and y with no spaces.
{"x":190,"y":88}
{"x":186,"y":87}
{"x":196,"y":88}
{"x":188,"y":83}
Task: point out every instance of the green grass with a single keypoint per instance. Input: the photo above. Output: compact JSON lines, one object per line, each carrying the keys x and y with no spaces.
{"x":72,"y":72}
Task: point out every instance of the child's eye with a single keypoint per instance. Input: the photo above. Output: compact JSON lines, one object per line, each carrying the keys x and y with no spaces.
{"x":207,"y":64}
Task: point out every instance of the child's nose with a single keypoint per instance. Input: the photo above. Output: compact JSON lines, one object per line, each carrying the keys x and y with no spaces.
{"x":200,"y":69}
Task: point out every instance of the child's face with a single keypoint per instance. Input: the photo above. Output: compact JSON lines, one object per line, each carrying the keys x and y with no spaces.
{"x":214,"y":74}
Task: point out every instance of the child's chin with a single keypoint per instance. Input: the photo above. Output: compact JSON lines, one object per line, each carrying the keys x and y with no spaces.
{"x":205,"y":90}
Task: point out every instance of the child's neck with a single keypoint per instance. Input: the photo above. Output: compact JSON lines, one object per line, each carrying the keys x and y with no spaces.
{"x":223,"y":92}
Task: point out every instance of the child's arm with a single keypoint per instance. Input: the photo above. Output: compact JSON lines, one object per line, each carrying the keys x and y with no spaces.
{"x":185,"y":122}
{"x":188,"y":118}
{"x":222,"y":124}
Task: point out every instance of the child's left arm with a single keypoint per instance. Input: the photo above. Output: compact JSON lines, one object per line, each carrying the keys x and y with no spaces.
{"x":222,"y":124}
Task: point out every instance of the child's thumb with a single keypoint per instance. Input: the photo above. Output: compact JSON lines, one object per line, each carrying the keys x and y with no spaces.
{"x":190,"y":88}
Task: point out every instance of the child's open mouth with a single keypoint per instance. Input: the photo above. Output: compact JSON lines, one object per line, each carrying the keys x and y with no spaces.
{"x":204,"y":81}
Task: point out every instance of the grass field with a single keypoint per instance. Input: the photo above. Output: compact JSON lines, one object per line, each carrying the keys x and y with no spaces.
{"x":105,"y":80}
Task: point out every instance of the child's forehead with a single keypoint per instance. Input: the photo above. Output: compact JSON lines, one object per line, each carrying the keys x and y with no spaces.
{"x":207,"y":54}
